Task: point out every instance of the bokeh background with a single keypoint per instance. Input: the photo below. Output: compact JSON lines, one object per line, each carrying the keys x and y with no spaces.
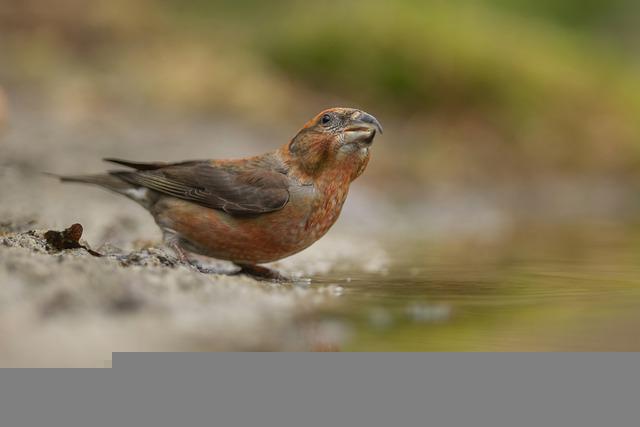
{"x":509,"y":108}
{"x":499,"y":211}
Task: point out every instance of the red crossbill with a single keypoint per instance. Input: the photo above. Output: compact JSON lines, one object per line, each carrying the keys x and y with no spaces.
{"x":253,"y":210}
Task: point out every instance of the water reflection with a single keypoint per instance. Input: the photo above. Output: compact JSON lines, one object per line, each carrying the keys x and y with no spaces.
{"x":555,"y":291}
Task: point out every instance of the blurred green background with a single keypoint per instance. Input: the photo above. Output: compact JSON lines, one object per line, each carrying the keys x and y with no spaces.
{"x":517,"y":100}
{"x":504,"y":189}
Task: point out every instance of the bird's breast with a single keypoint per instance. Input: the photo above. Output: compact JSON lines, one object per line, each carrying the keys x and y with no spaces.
{"x":325,"y":208}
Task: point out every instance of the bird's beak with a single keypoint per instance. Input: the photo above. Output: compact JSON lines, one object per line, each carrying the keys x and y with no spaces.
{"x":362,"y":128}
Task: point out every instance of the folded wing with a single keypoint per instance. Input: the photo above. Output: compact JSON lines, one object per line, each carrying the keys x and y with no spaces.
{"x":238,"y":189}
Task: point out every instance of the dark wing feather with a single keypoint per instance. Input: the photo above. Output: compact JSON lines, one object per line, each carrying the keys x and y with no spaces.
{"x":233,"y":189}
{"x":144,"y":166}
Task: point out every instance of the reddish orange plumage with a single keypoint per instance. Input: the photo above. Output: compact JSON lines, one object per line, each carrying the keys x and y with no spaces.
{"x":260,"y":209}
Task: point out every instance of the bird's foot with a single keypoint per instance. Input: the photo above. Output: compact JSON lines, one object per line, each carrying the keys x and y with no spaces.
{"x":204,"y":269}
{"x":262,"y":273}
{"x":184,"y":259}
{"x":252,"y":270}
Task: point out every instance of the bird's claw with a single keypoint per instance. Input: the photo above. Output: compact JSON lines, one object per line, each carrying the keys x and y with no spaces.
{"x":262,"y":273}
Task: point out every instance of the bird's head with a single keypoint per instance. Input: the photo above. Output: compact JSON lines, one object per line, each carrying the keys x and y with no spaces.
{"x":337,"y":138}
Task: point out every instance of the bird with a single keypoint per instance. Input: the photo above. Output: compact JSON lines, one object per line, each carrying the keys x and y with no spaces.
{"x":253,"y":210}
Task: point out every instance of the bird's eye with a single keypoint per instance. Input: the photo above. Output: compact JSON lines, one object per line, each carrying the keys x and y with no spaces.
{"x":325,"y":119}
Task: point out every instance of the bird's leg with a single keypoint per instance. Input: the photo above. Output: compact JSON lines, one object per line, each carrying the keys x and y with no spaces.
{"x":184,"y":258}
{"x":261,"y":273}
{"x":180,"y":253}
{"x":173,"y":242}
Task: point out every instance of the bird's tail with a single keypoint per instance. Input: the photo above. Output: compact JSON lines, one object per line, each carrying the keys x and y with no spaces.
{"x":104,"y":180}
{"x":110,"y":182}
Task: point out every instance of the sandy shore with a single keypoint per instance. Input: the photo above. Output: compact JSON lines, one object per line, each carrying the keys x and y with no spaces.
{"x":70,"y":308}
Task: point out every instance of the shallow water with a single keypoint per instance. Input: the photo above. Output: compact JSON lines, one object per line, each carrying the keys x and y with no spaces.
{"x":570,"y":289}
